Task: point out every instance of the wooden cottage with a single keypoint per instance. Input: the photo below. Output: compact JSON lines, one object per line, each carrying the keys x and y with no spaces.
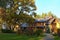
{"x":47,"y":24}
{"x":52,"y":25}
{"x":40,"y":24}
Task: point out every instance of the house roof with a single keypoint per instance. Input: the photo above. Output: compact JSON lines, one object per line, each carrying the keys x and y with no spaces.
{"x":41,"y":20}
{"x":51,"y":20}
{"x":24,"y":25}
{"x":47,"y":20}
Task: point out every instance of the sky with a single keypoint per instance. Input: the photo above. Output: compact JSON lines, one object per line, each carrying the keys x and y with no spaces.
{"x":44,"y":6}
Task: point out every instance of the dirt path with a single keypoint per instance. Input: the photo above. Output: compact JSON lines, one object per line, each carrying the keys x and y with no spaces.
{"x":48,"y":37}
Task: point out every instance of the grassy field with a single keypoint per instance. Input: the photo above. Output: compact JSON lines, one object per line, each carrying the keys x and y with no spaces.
{"x":10,"y":36}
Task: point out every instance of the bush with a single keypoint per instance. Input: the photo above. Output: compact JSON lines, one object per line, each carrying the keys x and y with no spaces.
{"x":6,"y":31}
{"x":28,"y":31}
{"x":55,"y":34}
{"x":38,"y":32}
{"x":58,"y":32}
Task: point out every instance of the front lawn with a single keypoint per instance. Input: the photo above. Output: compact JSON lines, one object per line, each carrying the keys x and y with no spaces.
{"x":56,"y":38}
{"x":10,"y":36}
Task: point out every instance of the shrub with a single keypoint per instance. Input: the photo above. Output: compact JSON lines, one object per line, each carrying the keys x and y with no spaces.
{"x":38,"y":32}
{"x":6,"y":31}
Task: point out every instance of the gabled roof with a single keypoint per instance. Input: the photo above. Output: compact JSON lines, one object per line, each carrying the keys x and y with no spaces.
{"x":51,"y":20}
{"x":47,"y":20}
{"x":41,"y":20}
{"x":24,"y":25}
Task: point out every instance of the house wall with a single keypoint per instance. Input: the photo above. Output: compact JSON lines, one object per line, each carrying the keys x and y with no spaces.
{"x":39,"y":24}
{"x":54,"y":29}
{"x":50,"y":26}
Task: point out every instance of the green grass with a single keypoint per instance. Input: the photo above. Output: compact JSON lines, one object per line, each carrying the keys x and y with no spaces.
{"x":10,"y":36}
{"x":56,"y":38}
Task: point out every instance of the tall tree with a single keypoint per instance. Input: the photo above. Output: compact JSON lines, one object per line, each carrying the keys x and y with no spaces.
{"x":50,"y":13}
{"x":15,"y":10}
{"x":25,"y":6}
{"x":33,"y":14}
{"x":38,"y":16}
{"x":44,"y":15}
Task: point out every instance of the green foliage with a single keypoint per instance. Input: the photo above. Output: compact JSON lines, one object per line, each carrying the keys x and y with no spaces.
{"x":44,"y":15}
{"x":26,"y":5}
{"x":38,"y":32}
{"x":38,"y":16}
{"x":56,"y":38}
{"x":6,"y":31}
{"x":33,"y":14}
{"x":11,"y":17}
{"x":2,"y":3}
